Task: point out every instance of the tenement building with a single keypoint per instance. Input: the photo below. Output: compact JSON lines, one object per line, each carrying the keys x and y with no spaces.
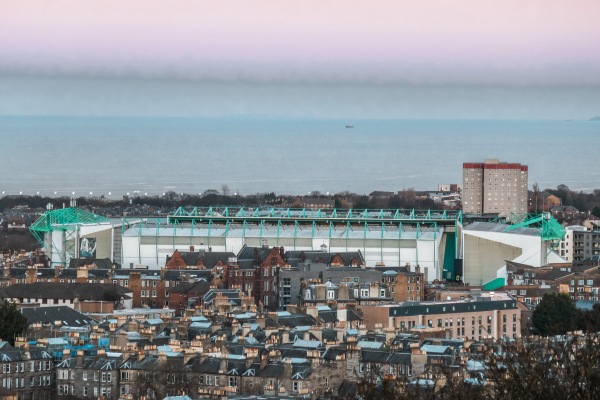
{"x":479,"y":317}
{"x":494,"y":187}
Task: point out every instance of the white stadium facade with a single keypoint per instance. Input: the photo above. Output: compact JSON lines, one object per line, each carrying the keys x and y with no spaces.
{"x":434,"y":240}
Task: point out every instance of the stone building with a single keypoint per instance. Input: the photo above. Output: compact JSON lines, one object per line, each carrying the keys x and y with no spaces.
{"x":93,"y":376}
{"x":485,"y":316}
{"x":27,"y":373}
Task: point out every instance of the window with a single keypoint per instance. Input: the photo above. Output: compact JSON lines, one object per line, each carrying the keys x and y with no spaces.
{"x":233,"y":381}
{"x":85,"y":375}
{"x":331,"y":294}
{"x":154,"y":293}
{"x":296,"y":386}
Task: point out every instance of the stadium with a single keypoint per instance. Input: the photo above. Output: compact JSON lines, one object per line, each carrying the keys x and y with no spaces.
{"x":430,"y":239}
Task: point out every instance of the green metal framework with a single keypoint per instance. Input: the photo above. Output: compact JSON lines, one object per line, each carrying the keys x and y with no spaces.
{"x":298,"y":224}
{"x":550,"y":230}
{"x":67,"y":221}
{"x":366,"y":221}
{"x":307,"y":216}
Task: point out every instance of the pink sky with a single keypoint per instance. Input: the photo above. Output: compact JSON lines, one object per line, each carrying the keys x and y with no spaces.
{"x":425,"y":41}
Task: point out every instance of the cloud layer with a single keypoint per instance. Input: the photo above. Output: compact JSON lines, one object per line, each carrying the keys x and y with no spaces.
{"x":486,"y":42}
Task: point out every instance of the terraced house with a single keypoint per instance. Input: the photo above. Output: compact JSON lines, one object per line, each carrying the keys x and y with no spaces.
{"x":27,"y":374}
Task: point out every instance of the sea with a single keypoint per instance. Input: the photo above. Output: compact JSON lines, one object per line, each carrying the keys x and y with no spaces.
{"x":114,"y":156}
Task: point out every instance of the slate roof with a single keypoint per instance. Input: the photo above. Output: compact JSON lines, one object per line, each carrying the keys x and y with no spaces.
{"x":295,"y":320}
{"x":67,"y":291}
{"x":175,"y":274}
{"x":332,"y":353}
{"x":296,"y":256}
{"x":436,"y":349}
{"x":69,"y":273}
{"x":12,"y":354}
{"x":247,"y":253}
{"x":101,"y":263}
{"x":328,"y":316}
{"x":208,"y":258}
{"x":373,"y":356}
{"x":48,"y":315}
{"x":232,"y":294}
{"x":399,"y":358}
{"x":199,"y":288}
{"x":274,"y":370}
{"x":455,"y":343}
{"x":308,"y":344}
{"x":329,"y":335}
{"x":353,"y":315}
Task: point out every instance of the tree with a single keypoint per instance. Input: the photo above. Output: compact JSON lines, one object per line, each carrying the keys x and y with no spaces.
{"x":565,"y":367}
{"x":596,"y":211}
{"x":13,"y":322}
{"x":555,"y":315}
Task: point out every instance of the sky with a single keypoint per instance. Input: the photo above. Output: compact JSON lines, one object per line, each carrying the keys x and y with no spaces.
{"x":536,"y":59}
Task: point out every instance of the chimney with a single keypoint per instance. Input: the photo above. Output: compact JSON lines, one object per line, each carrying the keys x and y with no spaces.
{"x":342,"y":315}
{"x":162,"y":358}
{"x":245,"y":329}
{"x":256,"y":258}
{"x":287,"y":368}
{"x":80,"y":357}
